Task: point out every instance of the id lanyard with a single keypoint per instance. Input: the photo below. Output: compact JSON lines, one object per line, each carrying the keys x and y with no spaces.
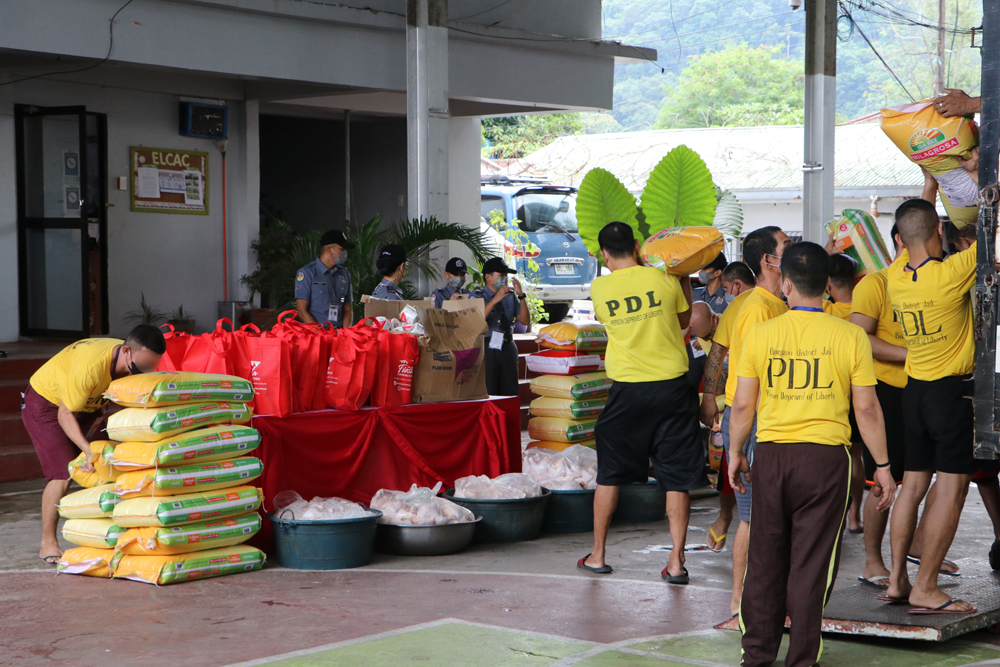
{"x":809,"y":309}
{"x":929,"y":259}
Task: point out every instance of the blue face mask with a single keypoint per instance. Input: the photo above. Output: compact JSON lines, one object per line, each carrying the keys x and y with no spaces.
{"x":340,"y":259}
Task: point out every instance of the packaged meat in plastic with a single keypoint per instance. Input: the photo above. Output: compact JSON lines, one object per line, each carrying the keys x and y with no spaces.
{"x":573,"y":468}
{"x":290,"y":505}
{"x":420,"y":506}
{"x":505,"y":487}
{"x":409,"y":315}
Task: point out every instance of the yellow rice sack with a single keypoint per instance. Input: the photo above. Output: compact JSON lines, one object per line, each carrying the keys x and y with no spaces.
{"x":86,"y":561}
{"x":935,"y":143}
{"x":559,"y":446}
{"x":178,"y":388}
{"x":189,"y":507}
{"x":206,"y":444}
{"x":184,"y":479}
{"x":586,"y":386}
{"x":857,"y":236}
{"x":95,"y":533}
{"x":92,"y":503}
{"x":561,"y":430}
{"x":569,"y":336}
{"x":103,"y":473}
{"x":199,"y":536}
{"x":188,"y":567}
{"x":153,"y":424}
{"x":682,"y":250}
{"x":567,"y":408}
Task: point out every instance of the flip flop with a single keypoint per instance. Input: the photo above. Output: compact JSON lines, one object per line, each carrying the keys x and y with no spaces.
{"x":856,"y":531}
{"x":720,"y":540}
{"x":604,"y":569}
{"x":948,"y":573}
{"x":48,"y":560}
{"x":871,"y":582}
{"x":679,"y":580}
{"x":995,"y":555}
{"x":943,"y":609}
{"x":891,"y":600}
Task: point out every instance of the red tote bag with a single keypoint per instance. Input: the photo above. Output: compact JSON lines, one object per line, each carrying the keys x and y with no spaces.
{"x":178,"y":343}
{"x":270,"y":369}
{"x":307,"y":358}
{"x":396,"y":359}
{"x":351,"y":370}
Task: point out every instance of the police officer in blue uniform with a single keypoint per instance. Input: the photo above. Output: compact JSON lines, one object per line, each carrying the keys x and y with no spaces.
{"x":323,"y":290}
{"x":503,"y":306}
{"x":391,"y":263}
{"x":454,"y":275}
{"x":713,"y":291}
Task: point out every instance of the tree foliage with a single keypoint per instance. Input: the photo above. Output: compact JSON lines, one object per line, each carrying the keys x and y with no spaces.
{"x":511,"y":137}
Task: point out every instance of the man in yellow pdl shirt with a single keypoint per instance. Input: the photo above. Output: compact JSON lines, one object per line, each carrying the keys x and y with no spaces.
{"x":931,"y":300}
{"x":652,"y":410}
{"x":801,"y":371}
{"x":62,"y":405}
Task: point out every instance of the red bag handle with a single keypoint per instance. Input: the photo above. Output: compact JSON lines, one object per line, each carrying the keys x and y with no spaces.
{"x":294,"y":314}
{"x":374,"y":323}
{"x":246,"y":329}
{"x":220,"y":339}
{"x":171,"y":333}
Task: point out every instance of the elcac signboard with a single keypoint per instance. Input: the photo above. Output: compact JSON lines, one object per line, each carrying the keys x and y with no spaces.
{"x":166,"y":180}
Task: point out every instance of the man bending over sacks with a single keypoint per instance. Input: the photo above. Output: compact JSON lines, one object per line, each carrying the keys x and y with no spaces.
{"x":652,"y":409}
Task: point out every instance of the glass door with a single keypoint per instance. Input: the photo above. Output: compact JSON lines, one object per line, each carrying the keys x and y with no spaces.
{"x":61,"y":230}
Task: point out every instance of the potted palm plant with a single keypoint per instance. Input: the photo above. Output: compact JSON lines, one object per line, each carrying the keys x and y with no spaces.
{"x":182,"y":321}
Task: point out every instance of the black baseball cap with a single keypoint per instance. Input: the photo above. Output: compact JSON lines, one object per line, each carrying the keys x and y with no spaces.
{"x":496,"y":265}
{"x":392,"y":254}
{"x":335,"y":236}
{"x":456,"y":266}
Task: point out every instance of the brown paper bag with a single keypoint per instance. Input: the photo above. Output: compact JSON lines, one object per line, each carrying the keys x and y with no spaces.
{"x":451,"y":365}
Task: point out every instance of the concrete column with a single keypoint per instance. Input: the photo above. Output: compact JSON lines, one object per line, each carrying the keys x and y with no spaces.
{"x":243,"y":174}
{"x":9,"y":323}
{"x":427,"y":112}
{"x":464,"y":166}
{"x":820,"y":117}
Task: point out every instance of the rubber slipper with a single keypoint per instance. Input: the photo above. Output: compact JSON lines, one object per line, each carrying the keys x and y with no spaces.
{"x":604,"y":569}
{"x":995,"y":555}
{"x":720,"y":540}
{"x":51,"y":562}
{"x":891,"y":600}
{"x":856,"y":531}
{"x":943,"y":609}
{"x":948,"y":573}
{"x":680,"y":580}
{"x":872,"y":582}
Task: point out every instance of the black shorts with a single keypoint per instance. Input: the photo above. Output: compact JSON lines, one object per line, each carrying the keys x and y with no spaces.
{"x":651,"y":420}
{"x":939,"y":425}
{"x":891,"y":400}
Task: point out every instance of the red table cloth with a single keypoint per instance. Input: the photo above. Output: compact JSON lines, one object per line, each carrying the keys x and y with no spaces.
{"x":354,"y":454}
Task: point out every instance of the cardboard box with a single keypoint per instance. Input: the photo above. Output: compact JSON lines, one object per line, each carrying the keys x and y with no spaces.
{"x":452,"y":356}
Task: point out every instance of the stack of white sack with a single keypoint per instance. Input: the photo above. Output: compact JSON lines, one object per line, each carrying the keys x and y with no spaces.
{"x":571,"y":469}
{"x":291,"y":506}
{"x":420,"y":506}
{"x":505,"y":487}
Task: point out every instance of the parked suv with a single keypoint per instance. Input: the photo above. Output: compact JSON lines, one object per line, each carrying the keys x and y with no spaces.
{"x":547,"y":214}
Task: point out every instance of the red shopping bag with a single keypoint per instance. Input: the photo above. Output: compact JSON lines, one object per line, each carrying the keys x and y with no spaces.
{"x":178,"y":343}
{"x":268,"y":360}
{"x":327,"y":334}
{"x":397,"y":357}
{"x":351,"y":371}
{"x":307,"y":358}
{"x":207,"y":353}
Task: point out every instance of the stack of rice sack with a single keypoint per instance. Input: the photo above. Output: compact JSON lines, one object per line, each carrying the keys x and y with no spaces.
{"x":573,"y":387}
{"x":176,"y":505}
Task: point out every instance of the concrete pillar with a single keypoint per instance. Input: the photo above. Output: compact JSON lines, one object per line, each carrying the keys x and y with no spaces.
{"x":243,"y":175}
{"x":427,"y":112}
{"x":820,"y":117}
{"x":464,"y":166}
{"x":9,"y":323}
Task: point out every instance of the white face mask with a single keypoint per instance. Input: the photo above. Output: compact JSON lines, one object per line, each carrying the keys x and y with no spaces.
{"x":456,"y":281}
{"x":340,"y":259}
{"x":705,"y":277}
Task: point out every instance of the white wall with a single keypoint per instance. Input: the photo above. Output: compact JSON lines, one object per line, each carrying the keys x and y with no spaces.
{"x":173,"y":259}
{"x":788,"y":214}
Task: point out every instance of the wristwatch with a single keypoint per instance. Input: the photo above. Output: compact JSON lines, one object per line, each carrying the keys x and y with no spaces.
{"x":522,"y":297}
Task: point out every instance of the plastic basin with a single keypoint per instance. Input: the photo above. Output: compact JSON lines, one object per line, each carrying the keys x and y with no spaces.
{"x":570,"y":512}
{"x":424,"y":540}
{"x":515,"y":520}
{"x":640,"y":503}
{"x":324,"y":545}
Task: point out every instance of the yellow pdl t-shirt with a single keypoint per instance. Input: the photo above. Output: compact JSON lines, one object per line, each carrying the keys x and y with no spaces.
{"x":639,"y":307}
{"x":761,"y":306}
{"x":840,"y":310}
{"x":872,"y":299}
{"x":806,"y":363}
{"x":727,"y":320}
{"x":935,"y":313}
{"x":78,"y":376}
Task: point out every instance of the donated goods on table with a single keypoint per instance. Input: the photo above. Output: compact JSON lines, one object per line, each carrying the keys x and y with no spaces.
{"x":577,"y":387}
{"x":571,"y":469}
{"x":559,"y":446}
{"x":96,"y":533}
{"x":561,"y":429}
{"x":420,"y":506}
{"x":567,"y":408}
{"x":564,"y":362}
{"x":182,"y":509}
{"x":936,"y":143}
{"x":208,"y":444}
{"x":682,"y":250}
{"x":87,"y":561}
{"x":198,"y":536}
{"x":289,"y":505}
{"x":197,"y":477}
{"x":92,"y":503}
{"x":186,"y":567}
{"x":154,"y":424}
{"x":589,"y":338}
{"x":505,"y":487}
{"x":101,"y":457}
{"x":857,"y":236}
{"x":178,"y":388}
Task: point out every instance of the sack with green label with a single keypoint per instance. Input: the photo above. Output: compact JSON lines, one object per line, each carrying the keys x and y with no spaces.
{"x":188,"y":507}
{"x":162,"y":570}
{"x":184,"y":479}
{"x":96,"y":533}
{"x":153,"y":424}
{"x":92,"y":503}
{"x":561,"y":430}
{"x":198,"y":536}
{"x":206,"y":444}
{"x":586,"y":386}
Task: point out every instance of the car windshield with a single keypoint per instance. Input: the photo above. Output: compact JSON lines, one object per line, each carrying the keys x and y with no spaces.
{"x":546,"y":212}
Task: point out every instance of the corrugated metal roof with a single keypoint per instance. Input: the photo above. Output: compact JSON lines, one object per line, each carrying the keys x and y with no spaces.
{"x":741,"y":158}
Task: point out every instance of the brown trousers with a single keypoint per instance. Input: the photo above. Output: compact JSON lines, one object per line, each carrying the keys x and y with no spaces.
{"x":799,"y":505}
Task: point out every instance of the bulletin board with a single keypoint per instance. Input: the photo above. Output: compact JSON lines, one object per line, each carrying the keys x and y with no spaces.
{"x":165,"y":180}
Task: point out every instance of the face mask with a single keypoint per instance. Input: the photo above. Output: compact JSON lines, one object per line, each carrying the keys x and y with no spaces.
{"x":456,"y":281}
{"x":340,"y":259}
{"x":134,"y":370}
{"x":705,"y":277}
{"x":773,"y":266}
{"x":501,"y":282}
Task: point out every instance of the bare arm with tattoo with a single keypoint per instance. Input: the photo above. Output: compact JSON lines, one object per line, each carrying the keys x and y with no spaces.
{"x":714,"y":380}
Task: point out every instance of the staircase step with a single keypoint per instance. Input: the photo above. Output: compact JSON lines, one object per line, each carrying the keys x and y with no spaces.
{"x":18,"y":464}
{"x":12,"y":432}
{"x":19,"y":369}
{"x":10,"y":395}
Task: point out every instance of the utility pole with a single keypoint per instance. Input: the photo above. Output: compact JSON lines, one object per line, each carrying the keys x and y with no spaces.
{"x":820,"y":118}
{"x":939,"y":66}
